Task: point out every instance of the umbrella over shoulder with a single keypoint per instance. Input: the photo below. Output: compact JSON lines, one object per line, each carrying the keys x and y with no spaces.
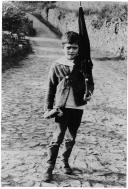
{"x":84,"y":43}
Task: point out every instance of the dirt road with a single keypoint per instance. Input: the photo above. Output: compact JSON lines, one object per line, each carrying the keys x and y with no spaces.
{"x":99,"y":157}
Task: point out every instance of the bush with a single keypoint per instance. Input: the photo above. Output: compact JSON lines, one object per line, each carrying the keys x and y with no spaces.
{"x":15,"y":20}
{"x":110,"y":13}
{"x":16,"y":26}
{"x":12,"y":44}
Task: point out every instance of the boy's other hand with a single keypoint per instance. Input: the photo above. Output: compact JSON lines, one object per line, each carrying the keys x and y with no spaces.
{"x":46,"y":113}
{"x":88,"y":96}
{"x":51,"y":113}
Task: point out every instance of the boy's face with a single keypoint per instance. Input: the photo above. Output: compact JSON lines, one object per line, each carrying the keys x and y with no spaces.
{"x":71,"y":51}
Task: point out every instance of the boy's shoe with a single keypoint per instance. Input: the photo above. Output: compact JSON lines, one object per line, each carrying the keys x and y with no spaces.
{"x":67,"y":169}
{"x":47,"y":175}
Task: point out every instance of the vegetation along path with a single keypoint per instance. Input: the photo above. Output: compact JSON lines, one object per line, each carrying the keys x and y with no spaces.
{"x":99,"y":157}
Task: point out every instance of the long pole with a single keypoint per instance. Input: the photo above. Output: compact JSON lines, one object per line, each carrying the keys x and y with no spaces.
{"x":80,"y":4}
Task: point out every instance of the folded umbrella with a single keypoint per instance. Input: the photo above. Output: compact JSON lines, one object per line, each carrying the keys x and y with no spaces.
{"x":85,"y":56}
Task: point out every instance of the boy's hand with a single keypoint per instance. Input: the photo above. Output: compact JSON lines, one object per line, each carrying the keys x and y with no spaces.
{"x":88,"y":96}
{"x":45,"y":115}
{"x":51,"y":113}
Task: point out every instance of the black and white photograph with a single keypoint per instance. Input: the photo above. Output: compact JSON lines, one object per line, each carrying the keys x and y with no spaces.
{"x":64,"y":94}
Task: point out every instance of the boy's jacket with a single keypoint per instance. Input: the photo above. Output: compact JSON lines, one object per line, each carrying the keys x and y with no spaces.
{"x":60,"y":80}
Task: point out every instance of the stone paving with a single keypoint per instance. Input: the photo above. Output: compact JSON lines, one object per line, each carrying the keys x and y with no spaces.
{"x":99,"y":156}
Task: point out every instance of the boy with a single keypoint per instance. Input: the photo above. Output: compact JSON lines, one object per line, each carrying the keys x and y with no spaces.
{"x":65,"y":95}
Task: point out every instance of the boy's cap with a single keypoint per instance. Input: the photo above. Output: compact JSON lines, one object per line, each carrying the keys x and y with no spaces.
{"x":70,"y":37}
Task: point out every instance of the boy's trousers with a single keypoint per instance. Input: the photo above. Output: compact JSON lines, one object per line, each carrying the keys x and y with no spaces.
{"x":70,"y":121}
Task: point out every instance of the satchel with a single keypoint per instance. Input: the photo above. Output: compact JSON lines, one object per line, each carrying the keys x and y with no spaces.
{"x":61,"y":97}
{"x":62,"y":92}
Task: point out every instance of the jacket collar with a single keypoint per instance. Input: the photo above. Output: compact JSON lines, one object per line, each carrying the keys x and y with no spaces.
{"x":65,"y":62}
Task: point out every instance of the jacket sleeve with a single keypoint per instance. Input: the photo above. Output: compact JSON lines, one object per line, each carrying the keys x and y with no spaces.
{"x":87,"y":66}
{"x":90,"y":83}
{"x":51,"y":88}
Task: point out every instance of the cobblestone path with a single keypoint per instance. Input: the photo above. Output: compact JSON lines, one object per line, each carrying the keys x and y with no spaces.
{"x":99,"y":156}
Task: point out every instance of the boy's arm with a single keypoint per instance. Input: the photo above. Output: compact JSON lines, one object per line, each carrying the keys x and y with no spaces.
{"x":51,"y":89}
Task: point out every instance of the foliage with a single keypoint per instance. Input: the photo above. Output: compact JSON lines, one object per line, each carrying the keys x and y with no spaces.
{"x":14,"y":49}
{"x":15,"y":20}
{"x":110,"y":13}
{"x":12,"y":44}
{"x":113,"y":11}
{"x":34,"y":5}
{"x":15,"y":26}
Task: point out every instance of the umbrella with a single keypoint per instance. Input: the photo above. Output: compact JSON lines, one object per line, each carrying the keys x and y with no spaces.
{"x":85,"y":57}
